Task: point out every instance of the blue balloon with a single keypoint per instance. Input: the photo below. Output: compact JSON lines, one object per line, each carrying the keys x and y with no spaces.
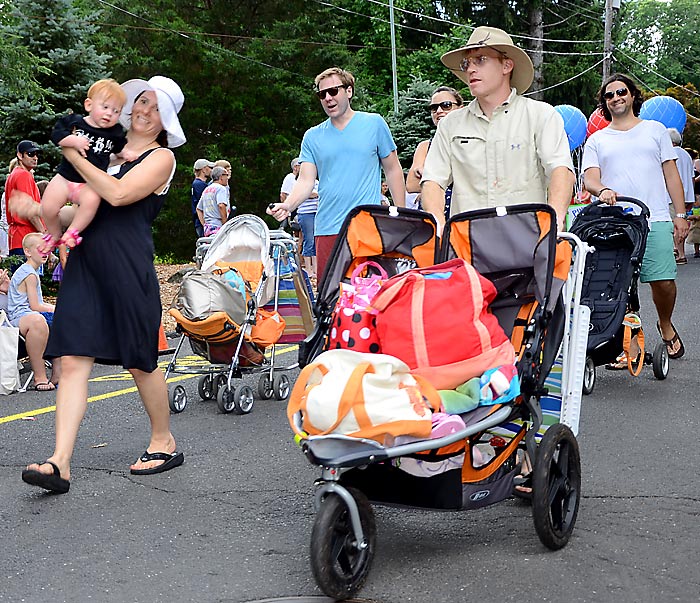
{"x":574,"y":124}
{"x":666,"y":110}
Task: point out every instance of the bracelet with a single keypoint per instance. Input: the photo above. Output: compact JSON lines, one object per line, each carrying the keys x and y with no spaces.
{"x":600,"y":192}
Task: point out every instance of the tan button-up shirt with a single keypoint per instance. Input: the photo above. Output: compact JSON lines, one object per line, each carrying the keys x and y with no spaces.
{"x":505,"y":160}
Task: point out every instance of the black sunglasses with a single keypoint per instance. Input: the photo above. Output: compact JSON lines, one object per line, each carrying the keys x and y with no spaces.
{"x":619,"y":92}
{"x":32,"y":153}
{"x":444,"y":105}
{"x":333,"y":91}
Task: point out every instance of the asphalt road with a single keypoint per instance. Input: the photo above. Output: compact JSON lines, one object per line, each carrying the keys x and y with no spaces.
{"x":234,"y":522}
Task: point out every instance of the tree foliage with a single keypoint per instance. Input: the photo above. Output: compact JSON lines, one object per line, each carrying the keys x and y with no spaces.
{"x":247,"y":70}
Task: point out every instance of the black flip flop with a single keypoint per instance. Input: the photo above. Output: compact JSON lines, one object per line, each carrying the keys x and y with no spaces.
{"x":53,"y":482}
{"x":671,"y":342}
{"x":170,"y":462}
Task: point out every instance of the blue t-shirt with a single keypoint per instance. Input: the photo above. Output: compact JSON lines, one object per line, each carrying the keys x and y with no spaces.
{"x":348,"y":163}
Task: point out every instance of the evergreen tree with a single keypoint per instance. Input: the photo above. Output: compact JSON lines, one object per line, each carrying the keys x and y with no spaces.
{"x":60,"y":37}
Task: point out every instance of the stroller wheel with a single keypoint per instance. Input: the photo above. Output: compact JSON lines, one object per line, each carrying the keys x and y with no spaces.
{"x":265,"y":389}
{"x":281,"y":387}
{"x":339,"y":563}
{"x":243,"y":400}
{"x":206,"y":387}
{"x":177,"y":399}
{"x":588,"y":377}
{"x":224,"y":399}
{"x":556,"y":486}
{"x":659,"y":363}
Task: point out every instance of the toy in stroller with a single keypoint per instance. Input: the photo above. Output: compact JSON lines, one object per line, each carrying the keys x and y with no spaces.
{"x":537,"y":280}
{"x":395,"y":241}
{"x":618,"y":237}
{"x":219,"y":309}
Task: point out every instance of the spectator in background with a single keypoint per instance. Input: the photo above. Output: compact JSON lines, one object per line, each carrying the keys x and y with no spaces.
{"x":685,"y":170}
{"x":443,"y":101}
{"x":20,"y":189}
{"x":289,"y":180}
{"x":227,"y":166}
{"x":213,"y":206}
{"x":27,"y":311}
{"x":202,"y":172}
{"x":4,"y":240}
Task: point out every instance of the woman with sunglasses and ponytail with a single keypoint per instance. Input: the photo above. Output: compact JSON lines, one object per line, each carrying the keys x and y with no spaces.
{"x":443,"y":100}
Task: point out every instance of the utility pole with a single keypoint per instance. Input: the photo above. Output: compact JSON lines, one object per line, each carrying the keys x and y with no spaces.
{"x":394,"y":80}
{"x":611,"y":8}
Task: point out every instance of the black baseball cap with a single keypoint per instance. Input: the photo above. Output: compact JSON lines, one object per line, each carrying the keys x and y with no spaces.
{"x":27,"y":146}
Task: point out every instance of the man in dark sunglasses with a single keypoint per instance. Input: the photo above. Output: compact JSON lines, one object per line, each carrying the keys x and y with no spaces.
{"x":633,"y":157}
{"x":502,"y":148}
{"x":21,"y":193}
{"x":346,"y":153}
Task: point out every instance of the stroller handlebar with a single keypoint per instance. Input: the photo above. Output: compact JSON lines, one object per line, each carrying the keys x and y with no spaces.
{"x":631,"y":200}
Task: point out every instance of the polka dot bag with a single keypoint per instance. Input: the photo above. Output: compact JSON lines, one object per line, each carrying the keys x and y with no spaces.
{"x":354,"y":323}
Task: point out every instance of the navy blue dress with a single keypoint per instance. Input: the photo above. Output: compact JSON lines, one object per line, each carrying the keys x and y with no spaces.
{"x":108,"y":306}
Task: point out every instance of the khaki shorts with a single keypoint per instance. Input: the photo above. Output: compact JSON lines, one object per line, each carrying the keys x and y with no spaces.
{"x":659,"y":263}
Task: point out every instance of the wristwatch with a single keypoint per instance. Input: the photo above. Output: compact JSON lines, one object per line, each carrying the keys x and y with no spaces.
{"x":679,"y":215}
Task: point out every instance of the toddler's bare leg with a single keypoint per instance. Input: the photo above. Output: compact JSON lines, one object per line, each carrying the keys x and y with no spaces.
{"x":55,"y":197}
{"x":89,"y":201}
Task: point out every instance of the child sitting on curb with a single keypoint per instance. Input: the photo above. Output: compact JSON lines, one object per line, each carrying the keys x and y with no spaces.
{"x":26,"y":309}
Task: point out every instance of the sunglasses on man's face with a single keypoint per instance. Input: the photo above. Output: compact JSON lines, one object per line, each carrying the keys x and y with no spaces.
{"x":444,"y":105}
{"x":619,"y":92}
{"x":32,"y":153}
{"x":333,"y":91}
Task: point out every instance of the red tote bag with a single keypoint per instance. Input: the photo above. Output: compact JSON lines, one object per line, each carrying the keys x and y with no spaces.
{"x":437,"y":321}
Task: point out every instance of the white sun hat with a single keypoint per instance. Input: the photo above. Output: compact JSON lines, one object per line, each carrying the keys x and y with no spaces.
{"x":170,"y":101}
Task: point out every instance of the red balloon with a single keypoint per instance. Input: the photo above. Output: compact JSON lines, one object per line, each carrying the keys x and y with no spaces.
{"x":596,"y":122}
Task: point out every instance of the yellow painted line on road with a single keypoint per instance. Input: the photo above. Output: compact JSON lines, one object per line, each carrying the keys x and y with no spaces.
{"x":118,"y":377}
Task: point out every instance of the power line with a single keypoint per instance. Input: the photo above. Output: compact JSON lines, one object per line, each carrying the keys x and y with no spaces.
{"x":566,"y":81}
{"x":656,"y":73}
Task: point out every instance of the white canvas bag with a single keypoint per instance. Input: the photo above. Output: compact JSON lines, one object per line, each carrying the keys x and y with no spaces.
{"x":362,"y":395}
{"x":9,"y":340}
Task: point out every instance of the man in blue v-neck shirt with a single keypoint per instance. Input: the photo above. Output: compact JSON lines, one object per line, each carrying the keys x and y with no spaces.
{"x":346,"y":153}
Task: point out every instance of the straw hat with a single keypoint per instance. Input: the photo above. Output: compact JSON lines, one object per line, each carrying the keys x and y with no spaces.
{"x":491,"y":37}
{"x":170,"y":101}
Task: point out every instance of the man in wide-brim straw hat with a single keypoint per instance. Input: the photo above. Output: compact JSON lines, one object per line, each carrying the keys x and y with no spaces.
{"x":502,"y":148}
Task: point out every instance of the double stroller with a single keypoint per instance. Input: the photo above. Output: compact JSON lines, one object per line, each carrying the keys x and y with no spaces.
{"x":617,"y":235}
{"x":221,"y":309}
{"x":538,"y":281}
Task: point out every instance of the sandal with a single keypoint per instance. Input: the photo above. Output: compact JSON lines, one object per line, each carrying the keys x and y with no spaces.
{"x":620,"y":363}
{"x":71,"y":238}
{"x":522,"y":484}
{"x":44,"y":386}
{"x":680,"y":261}
{"x":671,"y":343}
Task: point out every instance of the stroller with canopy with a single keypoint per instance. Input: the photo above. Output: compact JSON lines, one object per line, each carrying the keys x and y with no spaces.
{"x":618,"y":237}
{"x":219,"y":309}
{"x":538,"y":283}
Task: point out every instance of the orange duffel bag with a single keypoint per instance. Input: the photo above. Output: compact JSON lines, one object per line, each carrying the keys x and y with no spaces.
{"x":437,"y":321}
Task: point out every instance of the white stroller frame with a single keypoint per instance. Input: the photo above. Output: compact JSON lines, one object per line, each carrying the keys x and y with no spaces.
{"x":217,"y":378}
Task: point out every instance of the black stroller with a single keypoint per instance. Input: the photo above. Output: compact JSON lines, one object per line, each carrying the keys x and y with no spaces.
{"x":618,"y":236}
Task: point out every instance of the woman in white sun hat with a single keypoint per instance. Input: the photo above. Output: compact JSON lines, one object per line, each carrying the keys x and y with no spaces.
{"x":109,"y":307}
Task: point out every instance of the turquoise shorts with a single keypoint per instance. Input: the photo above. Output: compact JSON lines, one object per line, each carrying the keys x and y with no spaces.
{"x":659,"y":263}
